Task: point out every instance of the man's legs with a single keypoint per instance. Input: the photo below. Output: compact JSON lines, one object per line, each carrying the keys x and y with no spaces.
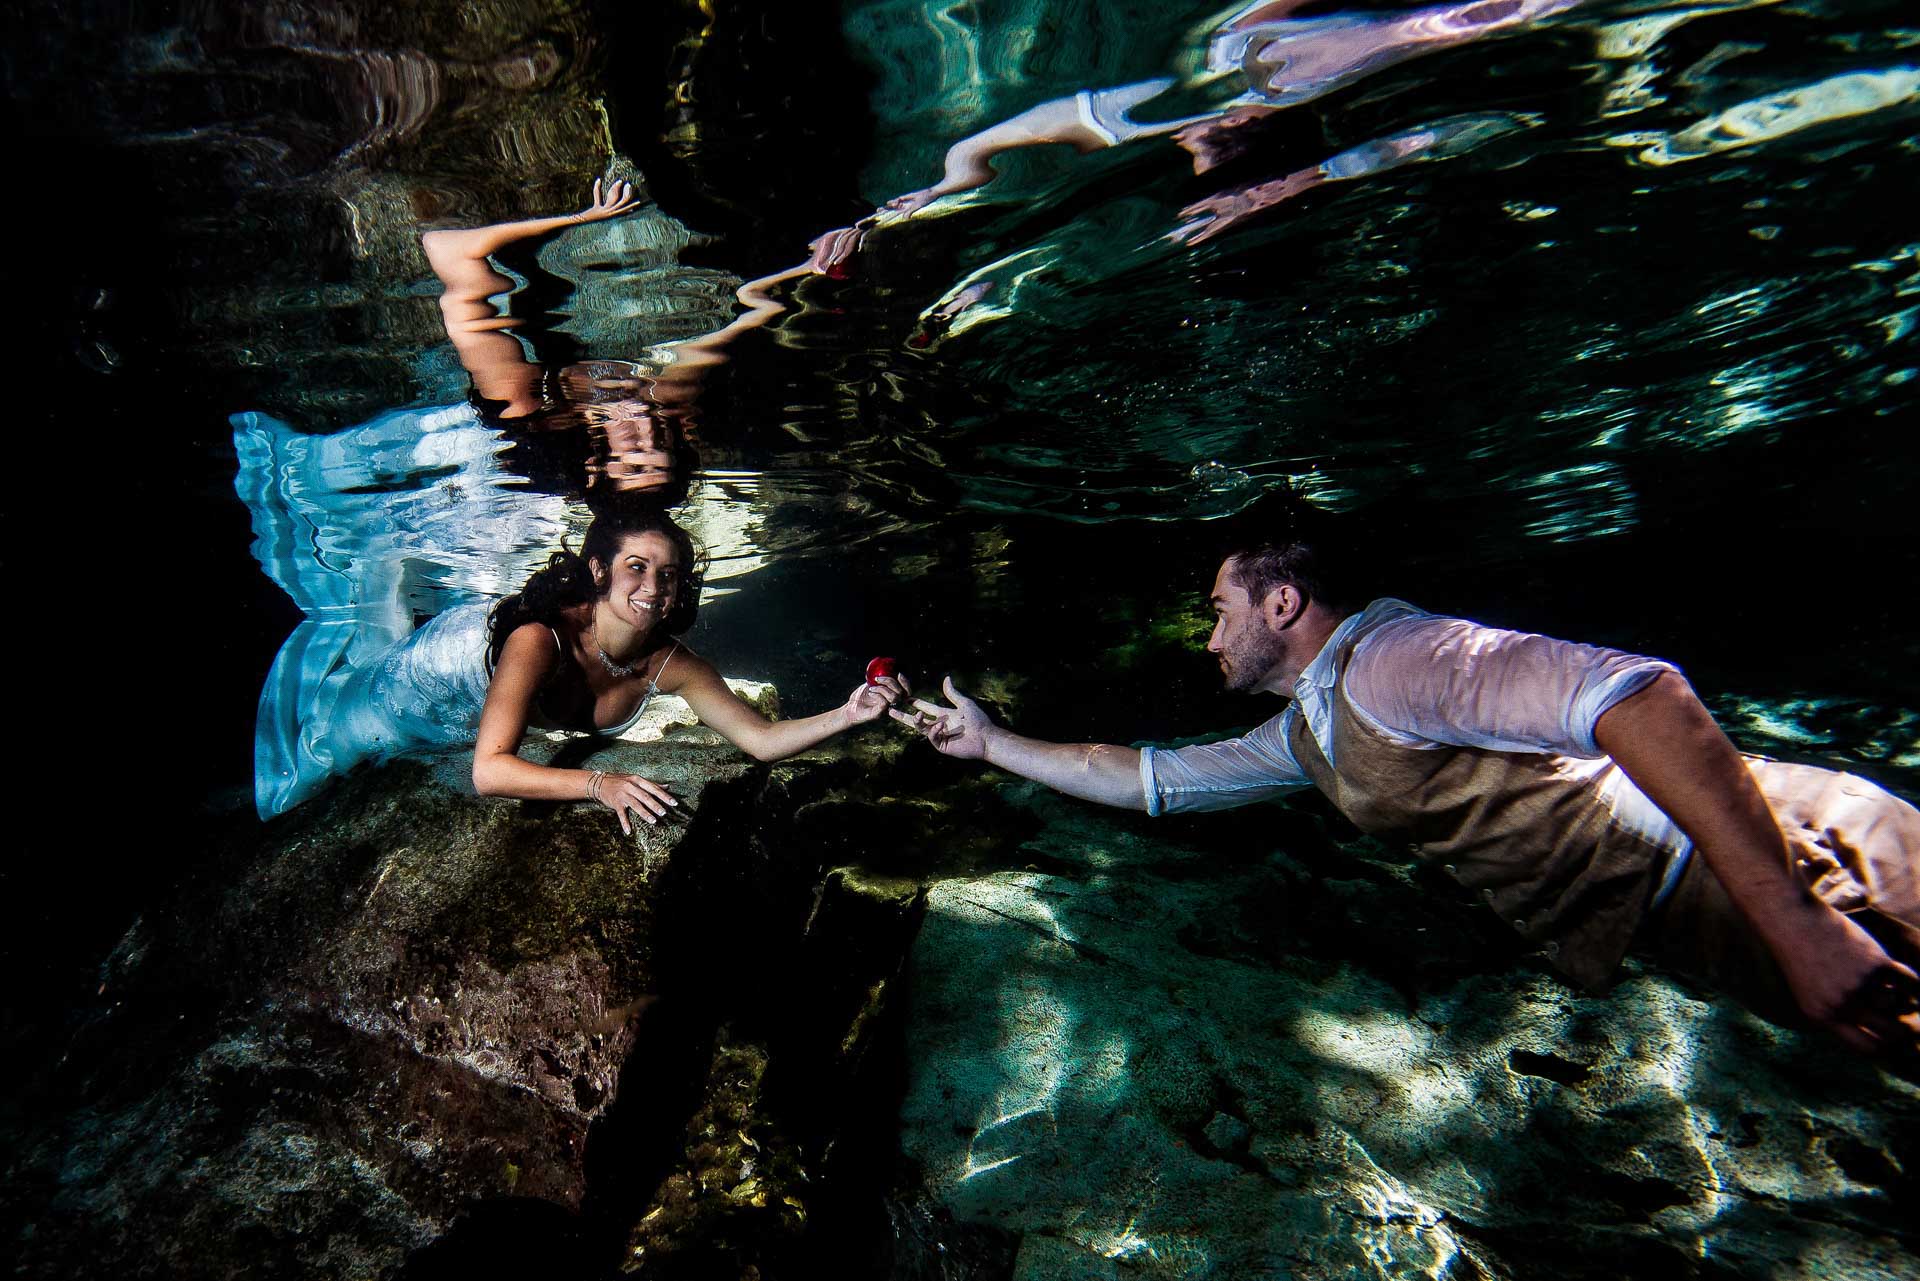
{"x":1853,"y":843}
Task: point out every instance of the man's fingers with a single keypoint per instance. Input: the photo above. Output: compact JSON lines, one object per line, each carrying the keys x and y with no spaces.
{"x":1856,"y":1039}
{"x":932,"y":709}
{"x":1890,"y":995}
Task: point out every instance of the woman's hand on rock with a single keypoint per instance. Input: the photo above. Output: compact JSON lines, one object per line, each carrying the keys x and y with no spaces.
{"x":869,"y":702}
{"x":618,"y":197}
{"x":623,"y":792}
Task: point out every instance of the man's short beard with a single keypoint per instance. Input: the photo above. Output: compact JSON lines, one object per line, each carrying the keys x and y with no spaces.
{"x":1250,"y":659}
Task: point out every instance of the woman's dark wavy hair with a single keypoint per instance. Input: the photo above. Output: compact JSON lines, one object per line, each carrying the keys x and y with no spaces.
{"x":568,"y":578}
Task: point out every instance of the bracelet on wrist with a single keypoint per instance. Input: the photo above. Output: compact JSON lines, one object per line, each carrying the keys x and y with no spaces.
{"x":593,"y":785}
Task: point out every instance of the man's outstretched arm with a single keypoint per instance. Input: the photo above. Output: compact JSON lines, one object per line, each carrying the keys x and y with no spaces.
{"x":1091,"y":771}
{"x":1669,"y":745}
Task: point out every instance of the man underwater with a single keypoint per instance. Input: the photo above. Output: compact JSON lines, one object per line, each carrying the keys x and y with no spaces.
{"x":1585,"y":794}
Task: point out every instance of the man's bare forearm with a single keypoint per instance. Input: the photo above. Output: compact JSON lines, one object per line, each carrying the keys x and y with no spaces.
{"x":1090,"y":771}
{"x":1669,"y":745}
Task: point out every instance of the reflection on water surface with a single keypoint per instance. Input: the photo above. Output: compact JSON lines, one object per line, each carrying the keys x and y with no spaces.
{"x":1598,"y":317}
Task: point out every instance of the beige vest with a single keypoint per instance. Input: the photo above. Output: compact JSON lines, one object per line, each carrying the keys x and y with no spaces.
{"x":1533,"y":834}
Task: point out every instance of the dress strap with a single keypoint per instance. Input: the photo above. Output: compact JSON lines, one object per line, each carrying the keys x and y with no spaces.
{"x":654,"y":685}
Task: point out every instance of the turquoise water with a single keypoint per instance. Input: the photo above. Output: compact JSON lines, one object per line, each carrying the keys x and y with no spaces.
{"x":1602,"y":325}
{"x":1634,"y":313}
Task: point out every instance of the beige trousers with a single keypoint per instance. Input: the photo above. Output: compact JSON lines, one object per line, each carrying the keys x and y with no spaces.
{"x":1853,"y":843}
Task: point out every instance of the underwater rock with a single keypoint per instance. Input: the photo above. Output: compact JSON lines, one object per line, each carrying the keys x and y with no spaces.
{"x":391,"y":1022}
{"x":1151,"y":1055}
{"x":669,"y":714}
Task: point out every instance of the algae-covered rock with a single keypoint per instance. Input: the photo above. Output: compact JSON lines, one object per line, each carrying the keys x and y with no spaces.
{"x":403,"y":1007}
{"x":1160,"y":1057}
{"x":395,"y":1001}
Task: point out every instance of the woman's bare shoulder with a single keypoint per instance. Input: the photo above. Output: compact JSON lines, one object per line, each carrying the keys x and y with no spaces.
{"x":532,"y":644}
{"x":680,"y":666}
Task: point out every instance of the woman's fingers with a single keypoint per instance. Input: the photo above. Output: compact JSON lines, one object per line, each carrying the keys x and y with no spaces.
{"x":657,"y":792}
{"x":642,"y":796}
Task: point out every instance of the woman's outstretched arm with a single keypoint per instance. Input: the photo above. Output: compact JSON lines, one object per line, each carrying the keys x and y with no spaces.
{"x":526,"y":661}
{"x":721,"y":710}
{"x":495,"y":360}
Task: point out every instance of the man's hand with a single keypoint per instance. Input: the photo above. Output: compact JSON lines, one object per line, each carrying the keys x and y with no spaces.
{"x":1218,"y":139}
{"x":1845,"y":981}
{"x":1214,"y":215}
{"x":960,"y":730}
{"x":1841,"y":977}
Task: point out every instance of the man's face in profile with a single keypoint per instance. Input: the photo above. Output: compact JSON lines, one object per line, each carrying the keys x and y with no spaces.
{"x":1246,"y":649}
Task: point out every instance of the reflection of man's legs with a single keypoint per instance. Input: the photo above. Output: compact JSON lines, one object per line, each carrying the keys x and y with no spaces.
{"x":1299,"y":59}
{"x":1855,"y":844}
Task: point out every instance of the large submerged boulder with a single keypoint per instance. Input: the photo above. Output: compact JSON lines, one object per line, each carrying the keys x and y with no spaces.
{"x":871,"y":1013}
{"x":1166,"y":1048}
{"x":403,"y":1012}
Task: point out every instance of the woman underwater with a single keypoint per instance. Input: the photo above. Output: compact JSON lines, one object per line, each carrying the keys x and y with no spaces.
{"x":420,"y":511}
{"x":591,"y":638}
{"x":584,"y":646}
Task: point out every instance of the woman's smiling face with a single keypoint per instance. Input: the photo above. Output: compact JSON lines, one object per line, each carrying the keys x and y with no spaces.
{"x":644,"y":580}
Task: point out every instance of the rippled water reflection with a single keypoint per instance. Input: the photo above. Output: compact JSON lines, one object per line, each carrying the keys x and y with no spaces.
{"x":1602,"y":323}
{"x":1609,"y":291}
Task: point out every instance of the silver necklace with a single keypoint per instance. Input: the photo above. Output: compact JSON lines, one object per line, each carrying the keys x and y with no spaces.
{"x":613,"y":669}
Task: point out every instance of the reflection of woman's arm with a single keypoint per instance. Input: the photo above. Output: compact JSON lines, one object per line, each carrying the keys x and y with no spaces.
{"x":693,"y":357}
{"x":493,"y":359}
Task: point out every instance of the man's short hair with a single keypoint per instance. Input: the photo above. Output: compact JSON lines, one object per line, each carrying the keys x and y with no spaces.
{"x":1281,"y":543}
{"x":1261,"y":568}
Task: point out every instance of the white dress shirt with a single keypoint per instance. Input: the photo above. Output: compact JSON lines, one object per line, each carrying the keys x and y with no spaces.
{"x":1427,"y":681}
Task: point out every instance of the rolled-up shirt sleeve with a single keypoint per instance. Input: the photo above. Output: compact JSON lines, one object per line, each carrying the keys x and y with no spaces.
{"x":1448,"y":681}
{"x":1215,"y":776}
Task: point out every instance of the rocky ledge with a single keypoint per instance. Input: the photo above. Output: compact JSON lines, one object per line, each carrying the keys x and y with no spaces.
{"x":871,"y":1013}
{"x":408,"y":1028}
{"x":1222,"y":1047}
